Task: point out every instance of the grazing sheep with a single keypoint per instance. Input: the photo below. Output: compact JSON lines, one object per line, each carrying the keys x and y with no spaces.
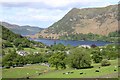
{"x":39,"y":73}
{"x":72,"y":72}
{"x":45,"y":71}
{"x":81,"y":73}
{"x":63,"y":73}
{"x":68,"y":72}
{"x":97,"y":71}
{"x":27,"y":77}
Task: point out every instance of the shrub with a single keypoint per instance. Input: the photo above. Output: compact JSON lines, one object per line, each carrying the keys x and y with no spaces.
{"x":93,"y":46}
{"x":7,"y":67}
{"x":105,"y":62}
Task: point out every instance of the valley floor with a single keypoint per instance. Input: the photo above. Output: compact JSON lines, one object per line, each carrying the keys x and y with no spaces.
{"x":40,"y":71}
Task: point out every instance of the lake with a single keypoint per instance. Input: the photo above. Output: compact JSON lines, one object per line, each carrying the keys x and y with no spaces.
{"x":71,"y":42}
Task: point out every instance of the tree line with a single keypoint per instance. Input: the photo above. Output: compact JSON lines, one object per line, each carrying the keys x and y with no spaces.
{"x":111,"y":37}
{"x":61,"y":57}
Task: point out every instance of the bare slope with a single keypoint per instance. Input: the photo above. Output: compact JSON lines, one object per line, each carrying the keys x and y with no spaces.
{"x":100,"y":21}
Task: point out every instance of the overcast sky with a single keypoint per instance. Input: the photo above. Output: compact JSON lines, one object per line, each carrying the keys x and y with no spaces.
{"x":43,"y":13}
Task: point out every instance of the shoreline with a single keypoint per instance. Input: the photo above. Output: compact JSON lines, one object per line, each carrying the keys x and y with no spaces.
{"x":72,"y":42}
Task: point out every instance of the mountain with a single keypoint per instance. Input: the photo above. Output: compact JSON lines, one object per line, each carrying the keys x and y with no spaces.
{"x":99,"y":21}
{"x":22,"y":30}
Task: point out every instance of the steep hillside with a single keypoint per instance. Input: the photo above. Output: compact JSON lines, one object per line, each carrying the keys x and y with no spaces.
{"x":22,"y":30}
{"x":10,"y":39}
{"x":100,"y":21}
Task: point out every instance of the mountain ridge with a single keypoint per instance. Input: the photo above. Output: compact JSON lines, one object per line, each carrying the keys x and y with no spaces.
{"x":22,"y":30}
{"x":100,"y":21}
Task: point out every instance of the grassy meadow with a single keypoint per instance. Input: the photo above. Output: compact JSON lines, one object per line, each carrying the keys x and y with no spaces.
{"x":33,"y":72}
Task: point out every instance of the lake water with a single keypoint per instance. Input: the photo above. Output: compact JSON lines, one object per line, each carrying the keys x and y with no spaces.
{"x":71,"y":42}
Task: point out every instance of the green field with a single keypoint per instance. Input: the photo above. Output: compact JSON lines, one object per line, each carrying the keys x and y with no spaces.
{"x":42,"y":50}
{"x":35,"y":49}
{"x":33,"y":70}
{"x":22,"y":72}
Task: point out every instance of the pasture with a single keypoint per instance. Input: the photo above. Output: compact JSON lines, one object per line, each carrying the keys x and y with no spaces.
{"x":42,"y":50}
{"x":22,"y":72}
{"x":33,"y":72}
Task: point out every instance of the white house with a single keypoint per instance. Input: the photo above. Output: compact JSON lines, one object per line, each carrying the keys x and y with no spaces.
{"x":85,"y":46}
{"x":22,"y":53}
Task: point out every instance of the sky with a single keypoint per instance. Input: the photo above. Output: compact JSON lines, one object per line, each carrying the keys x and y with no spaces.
{"x":43,"y":13}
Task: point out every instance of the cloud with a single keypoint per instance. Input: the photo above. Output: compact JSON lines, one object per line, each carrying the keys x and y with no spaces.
{"x":62,"y":3}
{"x":53,"y":3}
{"x":32,"y":16}
{"x":43,"y":12}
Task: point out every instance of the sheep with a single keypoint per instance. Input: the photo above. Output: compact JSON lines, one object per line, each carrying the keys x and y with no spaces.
{"x":71,"y":72}
{"x":63,"y":73}
{"x":97,"y":71}
{"x":81,"y":73}
{"x":39,"y":73}
{"x":27,"y":77}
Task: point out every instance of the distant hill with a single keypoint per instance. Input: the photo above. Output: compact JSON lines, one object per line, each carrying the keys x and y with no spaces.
{"x":99,"y":21}
{"x":22,"y":30}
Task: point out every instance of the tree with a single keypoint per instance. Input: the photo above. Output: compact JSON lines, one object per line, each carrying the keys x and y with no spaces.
{"x":58,"y":60}
{"x":79,"y":58}
{"x":105,"y":62}
{"x":8,"y":59}
{"x":110,"y":52}
{"x":6,"y":44}
{"x":19,"y":60}
{"x":20,"y":47}
{"x":12,"y":59}
{"x":33,"y":58}
{"x":47,"y":56}
{"x":17,"y":41}
{"x":93,"y":46}
{"x":97,"y":56}
{"x":3,"y":52}
{"x":59,"y":46}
